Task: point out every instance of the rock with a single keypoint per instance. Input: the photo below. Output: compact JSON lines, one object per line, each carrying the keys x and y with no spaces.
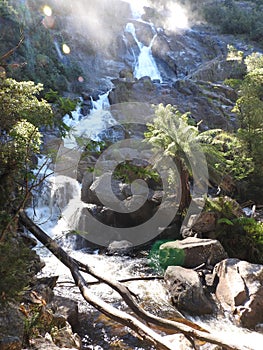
{"x":127,"y":74}
{"x":11,"y":327}
{"x":179,"y":341}
{"x":205,"y":222}
{"x":86,"y":183}
{"x":103,"y":190}
{"x":10,"y":343}
{"x":119,"y":247}
{"x":240,"y":289}
{"x":41,"y":291}
{"x":186,"y":290}
{"x":43,"y":343}
{"x":65,"y":338}
{"x":191,"y":252}
{"x":66,"y":308}
{"x":220,"y":69}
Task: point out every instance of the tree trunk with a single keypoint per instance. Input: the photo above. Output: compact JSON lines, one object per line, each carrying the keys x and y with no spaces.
{"x":188,"y":328}
{"x":185,"y":187}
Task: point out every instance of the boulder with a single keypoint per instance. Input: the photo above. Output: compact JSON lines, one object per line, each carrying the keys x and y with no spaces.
{"x":101,"y":193}
{"x":191,"y":252}
{"x":119,"y":247}
{"x":240,"y":289}
{"x":67,"y":309}
{"x":86,"y":183}
{"x":206,"y":222}
{"x":65,"y":338}
{"x":186,"y":290}
{"x":11,"y":327}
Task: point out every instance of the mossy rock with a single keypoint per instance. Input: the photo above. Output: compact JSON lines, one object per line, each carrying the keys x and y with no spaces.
{"x":169,"y":256}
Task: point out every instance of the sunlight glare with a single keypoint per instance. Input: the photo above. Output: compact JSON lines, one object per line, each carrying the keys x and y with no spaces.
{"x":66,"y":49}
{"x":178,"y":17}
{"x":47,"y":10}
{"x":137,"y":7}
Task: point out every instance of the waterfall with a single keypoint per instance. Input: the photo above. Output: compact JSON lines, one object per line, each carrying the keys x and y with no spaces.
{"x":145,"y":64}
{"x":58,"y":208}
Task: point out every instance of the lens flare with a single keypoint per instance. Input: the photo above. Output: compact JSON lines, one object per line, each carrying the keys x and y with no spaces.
{"x":177,"y":18}
{"x":47,"y":10}
{"x":65,"y":49}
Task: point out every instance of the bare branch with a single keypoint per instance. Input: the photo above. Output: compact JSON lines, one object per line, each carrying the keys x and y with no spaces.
{"x":182,"y":325}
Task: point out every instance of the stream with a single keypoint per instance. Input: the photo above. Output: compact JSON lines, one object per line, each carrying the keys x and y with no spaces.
{"x":58,"y":209}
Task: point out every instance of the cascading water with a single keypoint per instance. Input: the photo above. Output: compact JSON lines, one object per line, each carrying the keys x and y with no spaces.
{"x":145,"y":63}
{"x":59,"y":210}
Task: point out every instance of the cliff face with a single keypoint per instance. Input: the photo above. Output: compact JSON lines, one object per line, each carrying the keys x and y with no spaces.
{"x":81,"y":49}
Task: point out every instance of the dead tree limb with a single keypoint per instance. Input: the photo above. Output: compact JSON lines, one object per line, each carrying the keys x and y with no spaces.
{"x":185,"y":327}
{"x":11,"y":52}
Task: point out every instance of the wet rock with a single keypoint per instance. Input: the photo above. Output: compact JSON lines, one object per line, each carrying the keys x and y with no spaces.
{"x":220,"y":69}
{"x":120,"y":247}
{"x":41,"y":290}
{"x":66,"y":309}
{"x":186,"y":290}
{"x":240,"y":289}
{"x":191,"y":252}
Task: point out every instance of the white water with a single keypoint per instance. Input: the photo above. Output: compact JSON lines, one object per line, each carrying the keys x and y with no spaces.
{"x":60,"y":203}
{"x":91,"y":125}
{"x":137,"y":7}
{"x":145,"y":64}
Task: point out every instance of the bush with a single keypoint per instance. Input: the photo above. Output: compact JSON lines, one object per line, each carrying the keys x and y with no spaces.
{"x":233,"y":19}
{"x":16,"y":268}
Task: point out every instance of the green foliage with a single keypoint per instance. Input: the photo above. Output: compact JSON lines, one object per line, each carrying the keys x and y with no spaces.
{"x":6,"y":10}
{"x":15,"y":274}
{"x":231,"y":18}
{"x":20,"y":100}
{"x":61,"y":106}
{"x":65,"y":105}
{"x":249,"y":108}
{"x":241,"y":237}
{"x":225,"y":207}
{"x":38,"y":51}
{"x":254,"y":61}
{"x":227,"y":155}
{"x":234,"y":83}
{"x":129,"y":172}
{"x":22,"y":113}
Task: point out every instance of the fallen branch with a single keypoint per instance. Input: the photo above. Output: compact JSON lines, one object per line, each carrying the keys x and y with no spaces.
{"x":182,"y":325}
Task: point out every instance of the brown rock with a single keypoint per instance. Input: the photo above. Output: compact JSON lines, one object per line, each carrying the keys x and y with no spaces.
{"x":197,"y":251}
{"x":186,"y":290}
{"x":240,"y":288}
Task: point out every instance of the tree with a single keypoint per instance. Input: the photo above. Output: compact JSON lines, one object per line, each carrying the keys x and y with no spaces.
{"x":22,"y":113}
{"x":249,"y":108}
{"x":224,"y":153}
